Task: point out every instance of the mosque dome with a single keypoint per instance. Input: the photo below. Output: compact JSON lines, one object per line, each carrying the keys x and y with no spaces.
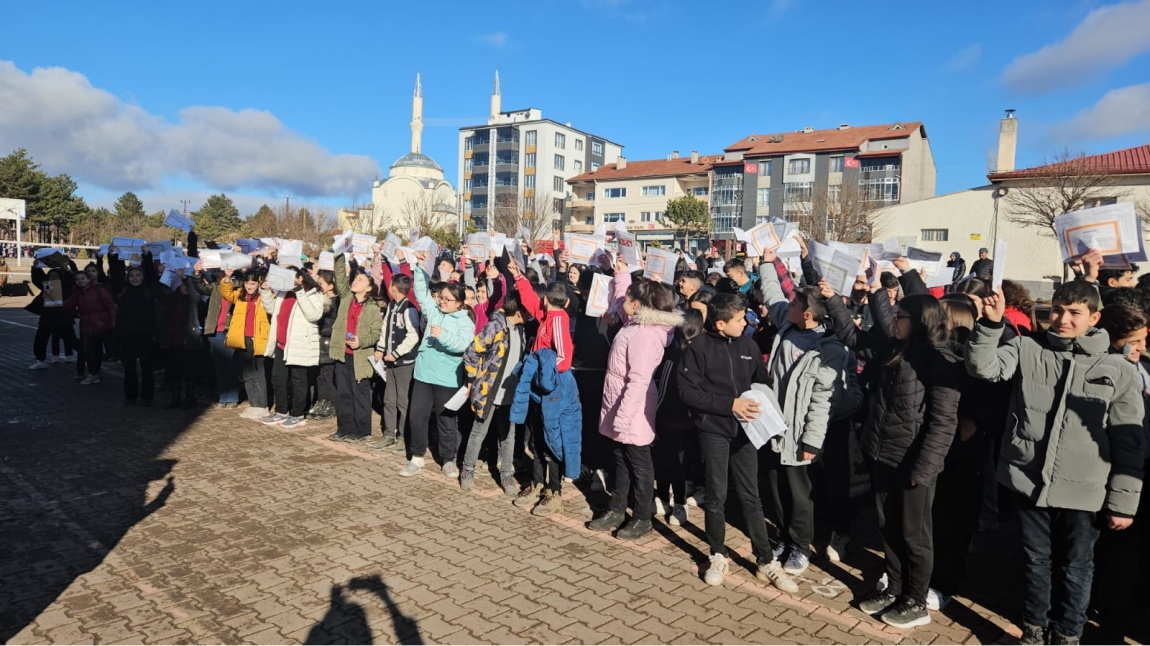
{"x":416,"y":160}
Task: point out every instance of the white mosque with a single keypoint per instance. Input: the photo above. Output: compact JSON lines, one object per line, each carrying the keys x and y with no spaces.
{"x":414,"y":191}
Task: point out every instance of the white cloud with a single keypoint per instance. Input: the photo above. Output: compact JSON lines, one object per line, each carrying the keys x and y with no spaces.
{"x":1124,"y":111}
{"x":965,"y":58}
{"x":1106,"y":38}
{"x":498,"y":39}
{"x":70,"y":126}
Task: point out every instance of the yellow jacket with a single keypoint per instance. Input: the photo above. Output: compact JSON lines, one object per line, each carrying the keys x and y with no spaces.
{"x":235,"y":338}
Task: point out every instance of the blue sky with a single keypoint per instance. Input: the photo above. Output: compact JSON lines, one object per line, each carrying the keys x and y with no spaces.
{"x":262,"y":100}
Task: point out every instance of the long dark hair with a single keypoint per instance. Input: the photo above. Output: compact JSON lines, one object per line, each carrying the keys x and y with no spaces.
{"x":652,"y":294}
{"x":927,"y":326}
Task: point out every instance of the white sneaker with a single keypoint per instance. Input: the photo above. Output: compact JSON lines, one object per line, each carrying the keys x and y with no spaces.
{"x":38,"y":365}
{"x":837,"y":547}
{"x":678,"y":516}
{"x":68,"y":358}
{"x":718,"y":570}
{"x":54,"y":359}
{"x":698,"y":498}
{"x":253,"y":412}
{"x":414,"y":466}
{"x":660,"y":508}
{"x":936,"y":600}
{"x":774,"y":573}
{"x":450,"y":471}
{"x":89,"y":380}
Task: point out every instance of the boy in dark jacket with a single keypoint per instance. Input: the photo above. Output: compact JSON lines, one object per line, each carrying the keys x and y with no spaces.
{"x":716,"y":370}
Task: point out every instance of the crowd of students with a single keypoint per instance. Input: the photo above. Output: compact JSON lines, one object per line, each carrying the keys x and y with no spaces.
{"x":944,"y":396}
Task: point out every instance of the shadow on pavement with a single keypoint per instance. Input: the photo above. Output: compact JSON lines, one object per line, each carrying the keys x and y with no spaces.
{"x":346,"y":620}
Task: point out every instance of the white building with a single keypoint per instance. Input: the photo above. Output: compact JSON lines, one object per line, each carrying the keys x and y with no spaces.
{"x":966,"y":221}
{"x":414,"y":193}
{"x":520,"y":158}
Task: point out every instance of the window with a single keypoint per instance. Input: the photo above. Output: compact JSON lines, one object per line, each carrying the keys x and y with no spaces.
{"x":701,"y":191}
{"x":467,"y":164}
{"x":597,"y":148}
{"x":560,"y":163}
{"x":529,"y":204}
{"x":590,"y":195}
{"x":614,"y":217}
{"x":835,"y":194}
{"x":578,"y":166}
{"x":557,"y":184}
{"x":529,"y":160}
{"x":595,"y":165}
{"x":797,"y":191}
{"x":762,"y":219}
{"x":466,"y":186}
{"x":651,"y":216}
{"x":578,"y":144}
{"x":560,"y":140}
{"x":935,"y":235}
{"x":530,"y":137}
{"x":799,"y":167}
{"x":837,"y":164}
{"x":654,"y":191}
{"x":529,"y":181}
{"x":469,"y":143}
{"x":614,"y":192}
{"x":880,"y":189}
{"x":589,"y":221}
{"x":764,"y":197}
{"x":1092,"y":202}
{"x":765,"y":168}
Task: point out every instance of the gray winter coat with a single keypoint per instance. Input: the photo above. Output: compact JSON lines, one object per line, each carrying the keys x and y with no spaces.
{"x":821,"y":386}
{"x":1074,"y":431}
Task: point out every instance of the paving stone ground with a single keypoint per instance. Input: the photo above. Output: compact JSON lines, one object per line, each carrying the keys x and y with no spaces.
{"x":131,"y":525}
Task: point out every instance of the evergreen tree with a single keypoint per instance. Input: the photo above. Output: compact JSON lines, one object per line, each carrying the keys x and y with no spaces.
{"x":217,"y":219}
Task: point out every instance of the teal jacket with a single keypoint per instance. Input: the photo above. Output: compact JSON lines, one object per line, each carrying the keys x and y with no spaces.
{"x":440,"y":359}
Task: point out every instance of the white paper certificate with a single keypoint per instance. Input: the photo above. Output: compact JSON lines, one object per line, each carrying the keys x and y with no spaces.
{"x":762,"y":239}
{"x":999,"y":264}
{"x":838,"y":268}
{"x":628,"y":249}
{"x":479,"y":247}
{"x":280,"y":279}
{"x":326,"y":261}
{"x":361,"y":243}
{"x":1113,"y":229}
{"x":599,"y":300}
{"x":582,"y":248}
{"x":211,"y":259}
{"x":178,"y":220}
{"x":661,"y":266}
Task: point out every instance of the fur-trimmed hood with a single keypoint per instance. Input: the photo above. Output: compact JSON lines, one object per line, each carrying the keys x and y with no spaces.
{"x":652,"y":316}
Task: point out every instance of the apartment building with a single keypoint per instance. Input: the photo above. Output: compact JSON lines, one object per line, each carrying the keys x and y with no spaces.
{"x":637,"y":192}
{"x":792,"y":173}
{"x":519,"y":159}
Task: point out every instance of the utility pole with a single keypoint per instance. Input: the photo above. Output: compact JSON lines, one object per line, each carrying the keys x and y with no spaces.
{"x":287,"y":206}
{"x":185,"y":203}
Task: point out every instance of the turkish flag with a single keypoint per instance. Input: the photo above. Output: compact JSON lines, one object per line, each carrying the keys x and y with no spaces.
{"x":851,"y":162}
{"x":750,"y":169}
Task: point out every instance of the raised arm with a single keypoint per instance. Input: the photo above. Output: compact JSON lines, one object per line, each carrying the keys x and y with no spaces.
{"x":420,"y":288}
{"x":342,"y":286}
{"x":772,"y":294}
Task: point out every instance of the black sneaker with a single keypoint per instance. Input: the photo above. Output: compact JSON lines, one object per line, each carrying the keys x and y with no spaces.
{"x":1032,"y":634}
{"x":906,"y":614}
{"x":634,"y":529}
{"x":608,"y":522}
{"x":1058,"y":638}
{"x":878,"y":603}
{"x":337,"y":437}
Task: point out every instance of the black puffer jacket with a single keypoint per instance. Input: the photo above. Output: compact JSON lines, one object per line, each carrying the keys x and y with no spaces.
{"x":914,"y":412}
{"x":714,"y":371}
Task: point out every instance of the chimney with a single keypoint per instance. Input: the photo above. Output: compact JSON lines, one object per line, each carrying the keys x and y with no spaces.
{"x":1007,"y":142}
{"x":808,"y":130}
{"x":844,"y":126}
{"x":674,"y":154}
{"x":694,"y":156}
{"x":621,"y":163}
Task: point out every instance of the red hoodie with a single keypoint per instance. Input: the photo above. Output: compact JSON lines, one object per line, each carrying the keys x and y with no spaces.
{"x":554,"y":325}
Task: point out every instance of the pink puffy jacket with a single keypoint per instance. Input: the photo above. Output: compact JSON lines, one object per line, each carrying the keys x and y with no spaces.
{"x":630,"y":397}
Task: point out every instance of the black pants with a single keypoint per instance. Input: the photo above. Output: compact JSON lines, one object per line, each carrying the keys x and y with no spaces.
{"x":634,"y":478}
{"x":832,"y":475}
{"x":68,"y":341}
{"x":1122,"y":572}
{"x":325,"y":382}
{"x":1062,"y":540}
{"x":957,"y":505}
{"x":93,"y":354}
{"x":596,"y":448}
{"x":138,"y":383}
{"x":793,"y":508}
{"x":289,"y":386}
{"x":353,"y":401}
{"x":252,"y":367}
{"x":546,"y":468}
{"x":50,"y":328}
{"x":669,"y":453}
{"x":738,"y":458}
{"x":904,"y":518}
{"x":427,"y":401}
{"x":183,"y":373}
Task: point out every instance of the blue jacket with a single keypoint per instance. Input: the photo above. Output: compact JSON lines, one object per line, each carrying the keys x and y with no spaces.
{"x":541,"y":382}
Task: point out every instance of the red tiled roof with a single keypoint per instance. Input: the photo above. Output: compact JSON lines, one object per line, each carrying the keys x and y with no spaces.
{"x":880,"y":153}
{"x":649,"y":168}
{"x":818,"y":140}
{"x":1131,"y":161}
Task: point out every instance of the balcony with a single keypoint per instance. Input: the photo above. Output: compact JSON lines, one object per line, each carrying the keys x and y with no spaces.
{"x":582,"y":203}
{"x":479,"y":163}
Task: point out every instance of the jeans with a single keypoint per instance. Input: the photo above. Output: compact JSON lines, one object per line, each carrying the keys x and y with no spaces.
{"x":427,"y":400}
{"x":396,"y":398}
{"x":93,"y":354}
{"x":1062,"y":539}
{"x":252,"y":372}
{"x":634,"y":478}
{"x":353,"y":401}
{"x":546,"y":469}
{"x":907,"y":527}
{"x":499,"y":420}
{"x":224,"y":362}
{"x":794,"y":510}
{"x":142,"y":383}
{"x":289,"y":386}
{"x":737,"y":458}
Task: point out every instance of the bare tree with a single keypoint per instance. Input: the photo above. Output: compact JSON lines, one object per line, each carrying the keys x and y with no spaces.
{"x":314,"y":225}
{"x":1070,"y":182}
{"x":839,"y":213}
{"x":533,"y":218}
